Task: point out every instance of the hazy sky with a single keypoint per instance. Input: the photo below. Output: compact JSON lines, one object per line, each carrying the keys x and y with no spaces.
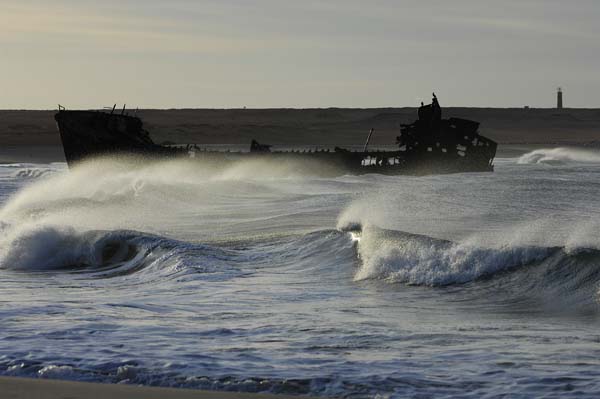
{"x":302,"y":53}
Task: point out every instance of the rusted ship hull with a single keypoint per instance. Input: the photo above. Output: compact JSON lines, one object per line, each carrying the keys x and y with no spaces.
{"x":448,"y":146}
{"x":86,"y":134}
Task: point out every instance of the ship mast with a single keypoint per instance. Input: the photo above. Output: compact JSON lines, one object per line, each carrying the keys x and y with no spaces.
{"x":368,"y":139}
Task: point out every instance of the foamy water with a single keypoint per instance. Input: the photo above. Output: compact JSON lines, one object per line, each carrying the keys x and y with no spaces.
{"x":560,"y":155}
{"x":261,"y":278}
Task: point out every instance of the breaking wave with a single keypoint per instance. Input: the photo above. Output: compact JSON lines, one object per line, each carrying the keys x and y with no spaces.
{"x":412,"y":259}
{"x":104,"y":254}
{"x":420,"y":260}
{"x":387,"y":255}
{"x":45,"y":248}
{"x":559,"y":156}
{"x":131,"y":372}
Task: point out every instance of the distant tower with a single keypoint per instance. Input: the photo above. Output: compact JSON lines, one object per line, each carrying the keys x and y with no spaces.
{"x":559,"y":99}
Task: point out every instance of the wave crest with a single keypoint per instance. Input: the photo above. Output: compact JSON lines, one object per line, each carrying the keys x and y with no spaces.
{"x":420,"y":260}
{"x":559,"y":156}
{"x":105,"y":254}
{"x":58,"y":247}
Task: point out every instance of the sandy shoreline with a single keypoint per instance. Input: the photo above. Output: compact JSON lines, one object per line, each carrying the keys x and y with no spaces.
{"x":32,"y":388}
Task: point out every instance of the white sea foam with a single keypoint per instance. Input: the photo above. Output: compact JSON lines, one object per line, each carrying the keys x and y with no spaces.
{"x":58,"y":372}
{"x":107,"y":180}
{"x":420,"y":260}
{"x":33,"y":173}
{"x":559,"y":155}
{"x":39,"y":248}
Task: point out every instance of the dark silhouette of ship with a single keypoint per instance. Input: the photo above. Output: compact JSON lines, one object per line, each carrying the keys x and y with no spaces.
{"x":430,"y":145}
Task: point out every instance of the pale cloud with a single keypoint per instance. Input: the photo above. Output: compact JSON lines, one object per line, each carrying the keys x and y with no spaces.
{"x":184,"y":53}
{"x":104,"y":31}
{"x":524,"y":26}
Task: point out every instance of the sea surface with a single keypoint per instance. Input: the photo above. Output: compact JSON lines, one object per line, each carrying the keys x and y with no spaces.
{"x":258,"y":278}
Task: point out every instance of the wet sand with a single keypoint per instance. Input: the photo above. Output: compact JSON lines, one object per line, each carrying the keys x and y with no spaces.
{"x":29,"y":388}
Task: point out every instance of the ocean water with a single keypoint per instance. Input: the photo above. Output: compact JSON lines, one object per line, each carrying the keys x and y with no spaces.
{"x":257,"y":278}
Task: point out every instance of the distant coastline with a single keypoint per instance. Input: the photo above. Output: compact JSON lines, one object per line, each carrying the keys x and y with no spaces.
{"x":34,"y":133}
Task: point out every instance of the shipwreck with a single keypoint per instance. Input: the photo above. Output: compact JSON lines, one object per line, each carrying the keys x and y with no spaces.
{"x":429,"y":145}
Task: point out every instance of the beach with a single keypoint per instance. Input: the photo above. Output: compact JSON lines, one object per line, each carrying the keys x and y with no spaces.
{"x":29,"y":388}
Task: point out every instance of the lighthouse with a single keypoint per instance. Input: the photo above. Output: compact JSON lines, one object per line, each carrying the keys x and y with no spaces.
{"x":559,"y":104}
